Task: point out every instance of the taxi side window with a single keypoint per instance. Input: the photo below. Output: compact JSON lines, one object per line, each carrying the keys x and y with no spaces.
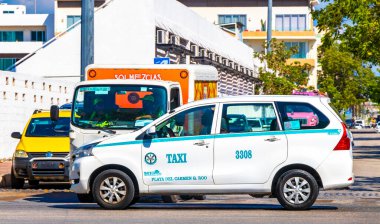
{"x":296,"y":116}
{"x":256,"y":117}
{"x":192,"y":122}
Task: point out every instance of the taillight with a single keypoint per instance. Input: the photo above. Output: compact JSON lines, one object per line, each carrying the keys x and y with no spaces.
{"x":344,"y":142}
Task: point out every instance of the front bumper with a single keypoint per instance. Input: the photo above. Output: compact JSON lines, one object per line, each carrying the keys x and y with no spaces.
{"x":41,"y":168}
{"x":80,"y":173}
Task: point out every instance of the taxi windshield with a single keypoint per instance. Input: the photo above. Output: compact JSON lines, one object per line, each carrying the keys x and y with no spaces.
{"x":118,"y":106}
{"x":45,"y":127}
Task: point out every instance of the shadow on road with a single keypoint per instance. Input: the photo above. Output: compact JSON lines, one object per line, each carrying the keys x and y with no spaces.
{"x":54,"y":197}
{"x":195,"y":206}
{"x":68,"y":200}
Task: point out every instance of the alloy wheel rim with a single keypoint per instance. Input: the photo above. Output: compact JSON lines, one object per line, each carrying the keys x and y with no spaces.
{"x":297,"y":190}
{"x":113,"y":190}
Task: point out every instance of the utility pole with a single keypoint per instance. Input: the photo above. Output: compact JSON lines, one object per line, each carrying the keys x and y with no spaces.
{"x":87,"y":36}
{"x":269,"y":28}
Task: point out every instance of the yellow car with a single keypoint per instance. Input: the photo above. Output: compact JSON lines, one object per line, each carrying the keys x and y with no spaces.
{"x":43,"y":150}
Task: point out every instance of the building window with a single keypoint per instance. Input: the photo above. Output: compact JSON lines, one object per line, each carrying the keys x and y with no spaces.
{"x":290,"y":22}
{"x":11,"y":36}
{"x":5,"y":63}
{"x":8,"y":12}
{"x":301,"y":49}
{"x":72,"y":19}
{"x":225,"y":19}
{"x":38,"y":36}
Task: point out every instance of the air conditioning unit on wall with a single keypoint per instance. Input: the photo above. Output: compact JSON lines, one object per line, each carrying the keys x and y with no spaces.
{"x":162,"y":37}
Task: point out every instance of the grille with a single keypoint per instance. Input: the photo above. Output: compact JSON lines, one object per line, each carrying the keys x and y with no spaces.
{"x":50,"y":172}
{"x":43,"y":154}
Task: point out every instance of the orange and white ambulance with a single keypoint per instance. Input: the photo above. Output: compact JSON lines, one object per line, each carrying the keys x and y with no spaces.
{"x":118,"y":99}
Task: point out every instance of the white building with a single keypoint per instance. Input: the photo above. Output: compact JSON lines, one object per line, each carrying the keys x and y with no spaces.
{"x":20,"y":95}
{"x":291,"y":23}
{"x":12,"y":9}
{"x":21,"y":34}
{"x":68,"y":12}
{"x":135,"y":32}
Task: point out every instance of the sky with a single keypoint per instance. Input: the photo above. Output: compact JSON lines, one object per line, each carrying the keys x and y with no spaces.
{"x":42,"y":6}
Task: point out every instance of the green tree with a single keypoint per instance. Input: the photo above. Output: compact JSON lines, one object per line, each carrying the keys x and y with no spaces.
{"x":374,"y":90}
{"x":355,"y":24}
{"x":278,"y":77}
{"x":344,"y":78}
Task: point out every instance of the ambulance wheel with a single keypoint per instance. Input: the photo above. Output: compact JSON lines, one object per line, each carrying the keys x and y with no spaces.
{"x":85,"y":198}
{"x":297,"y":190}
{"x":113,"y":189}
{"x":170,"y":198}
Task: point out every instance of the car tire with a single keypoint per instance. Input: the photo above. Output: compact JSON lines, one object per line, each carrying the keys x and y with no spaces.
{"x":170,"y":198}
{"x":109,"y":194}
{"x":135,"y":200}
{"x":33,"y":182}
{"x":296,"y":190}
{"x":186,"y":197}
{"x":16,"y":183}
{"x":200,"y":197}
{"x":85,"y":198}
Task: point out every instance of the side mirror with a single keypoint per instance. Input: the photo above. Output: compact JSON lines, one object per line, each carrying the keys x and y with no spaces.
{"x":151,"y":131}
{"x":16,"y":135}
{"x":54,"y":113}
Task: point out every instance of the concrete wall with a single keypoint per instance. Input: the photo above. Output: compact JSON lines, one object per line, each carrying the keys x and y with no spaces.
{"x":20,"y":95}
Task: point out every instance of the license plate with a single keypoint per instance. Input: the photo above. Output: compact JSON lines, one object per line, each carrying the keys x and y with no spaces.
{"x":46,"y":165}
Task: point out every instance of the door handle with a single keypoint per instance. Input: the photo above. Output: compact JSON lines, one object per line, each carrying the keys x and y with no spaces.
{"x":201,"y":143}
{"x":272,"y":139}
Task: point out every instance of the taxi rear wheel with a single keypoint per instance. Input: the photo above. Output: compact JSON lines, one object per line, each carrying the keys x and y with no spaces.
{"x":297,"y":190}
{"x":113,"y":189}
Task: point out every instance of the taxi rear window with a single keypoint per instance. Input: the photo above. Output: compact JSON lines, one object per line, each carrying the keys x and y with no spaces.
{"x":45,"y":127}
{"x":296,"y":116}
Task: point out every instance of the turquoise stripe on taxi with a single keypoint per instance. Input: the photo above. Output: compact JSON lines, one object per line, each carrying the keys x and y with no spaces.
{"x":229,"y":135}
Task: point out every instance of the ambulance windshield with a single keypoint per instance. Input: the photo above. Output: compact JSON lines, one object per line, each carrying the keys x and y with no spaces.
{"x":118,"y":106}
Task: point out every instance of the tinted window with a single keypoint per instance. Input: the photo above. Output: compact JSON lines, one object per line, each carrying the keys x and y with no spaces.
{"x":296,"y":116}
{"x":248,"y":118}
{"x":192,"y":122}
{"x":44,"y":127}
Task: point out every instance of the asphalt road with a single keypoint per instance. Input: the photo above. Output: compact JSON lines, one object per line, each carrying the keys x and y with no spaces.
{"x":358,"y":204}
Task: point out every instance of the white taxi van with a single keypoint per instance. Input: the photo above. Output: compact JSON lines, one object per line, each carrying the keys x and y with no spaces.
{"x":215,"y":146}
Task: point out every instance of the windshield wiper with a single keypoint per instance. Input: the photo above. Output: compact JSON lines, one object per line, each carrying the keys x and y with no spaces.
{"x":107,"y":130}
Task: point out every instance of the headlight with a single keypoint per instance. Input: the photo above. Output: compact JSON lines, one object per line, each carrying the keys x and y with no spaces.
{"x":21,"y":154}
{"x":84,"y":151}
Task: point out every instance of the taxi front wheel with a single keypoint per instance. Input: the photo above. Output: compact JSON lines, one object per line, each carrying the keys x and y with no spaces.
{"x":297,"y":190}
{"x":113,"y":189}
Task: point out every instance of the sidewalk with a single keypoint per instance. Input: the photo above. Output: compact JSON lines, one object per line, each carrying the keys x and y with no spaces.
{"x":5,"y":173}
